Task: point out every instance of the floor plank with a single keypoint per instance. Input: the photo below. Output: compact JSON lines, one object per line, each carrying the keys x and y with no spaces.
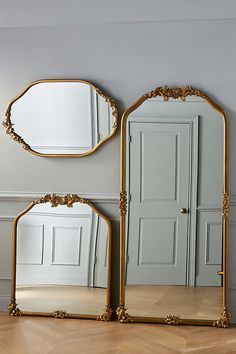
{"x":35,"y":335}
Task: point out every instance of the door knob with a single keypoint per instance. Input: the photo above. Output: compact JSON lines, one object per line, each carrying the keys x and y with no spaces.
{"x":184,"y":211}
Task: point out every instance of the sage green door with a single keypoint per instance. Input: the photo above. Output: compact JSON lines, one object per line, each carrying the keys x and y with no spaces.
{"x":159,"y":178}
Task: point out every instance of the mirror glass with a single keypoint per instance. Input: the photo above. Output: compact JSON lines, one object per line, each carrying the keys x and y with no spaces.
{"x":62,"y":260}
{"x":174,"y":237}
{"x":62,"y":117}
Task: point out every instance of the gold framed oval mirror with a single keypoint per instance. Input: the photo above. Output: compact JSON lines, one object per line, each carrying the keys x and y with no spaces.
{"x":61,"y":118}
{"x":174,"y":207}
{"x":61,"y":260}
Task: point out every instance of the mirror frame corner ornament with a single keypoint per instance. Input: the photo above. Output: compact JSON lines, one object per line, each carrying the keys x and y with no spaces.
{"x":123,"y":316}
{"x":9,"y":126}
{"x":56,"y":200}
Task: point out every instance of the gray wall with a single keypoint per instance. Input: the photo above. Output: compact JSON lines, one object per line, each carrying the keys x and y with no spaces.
{"x":126,"y":48}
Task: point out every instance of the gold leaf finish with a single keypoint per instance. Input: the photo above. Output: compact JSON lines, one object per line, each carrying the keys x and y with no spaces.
{"x":225,"y":205}
{"x":13,"y":309}
{"x":59,"y":314}
{"x":224,"y":320}
{"x":173,"y":320}
{"x":106,"y":316}
{"x":123,"y":203}
{"x":123,"y":316}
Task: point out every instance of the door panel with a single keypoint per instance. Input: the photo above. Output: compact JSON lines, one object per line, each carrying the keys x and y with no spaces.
{"x":160,"y":173}
{"x":164,"y":170}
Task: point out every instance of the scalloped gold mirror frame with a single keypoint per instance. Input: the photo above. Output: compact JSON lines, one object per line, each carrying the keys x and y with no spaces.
{"x":123,"y":316}
{"x":56,"y":200}
{"x":8,"y":125}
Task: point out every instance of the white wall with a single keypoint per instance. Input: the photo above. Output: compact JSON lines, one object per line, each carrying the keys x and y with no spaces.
{"x":126,"y":47}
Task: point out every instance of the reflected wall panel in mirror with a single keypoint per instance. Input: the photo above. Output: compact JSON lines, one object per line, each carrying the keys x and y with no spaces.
{"x":61,"y":118}
{"x":173,"y":234}
{"x":61,"y":260}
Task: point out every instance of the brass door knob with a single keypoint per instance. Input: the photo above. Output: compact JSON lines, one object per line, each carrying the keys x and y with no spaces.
{"x":184,"y":211}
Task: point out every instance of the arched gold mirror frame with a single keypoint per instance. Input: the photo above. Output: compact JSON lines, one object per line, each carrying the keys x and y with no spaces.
{"x":173,"y":93}
{"x":9,"y":126}
{"x":55,"y":201}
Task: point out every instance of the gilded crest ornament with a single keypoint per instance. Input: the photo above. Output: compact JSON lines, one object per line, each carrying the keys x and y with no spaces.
{"x":175,"y":93}
{"x":56,"y":200}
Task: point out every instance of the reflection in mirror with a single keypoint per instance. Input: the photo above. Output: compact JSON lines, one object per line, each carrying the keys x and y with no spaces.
{"x":175,"y":176}
{"x":61,"y":117}
{"x":62,"y":261}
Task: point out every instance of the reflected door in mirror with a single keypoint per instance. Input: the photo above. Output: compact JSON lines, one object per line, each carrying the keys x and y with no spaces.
{"x":175,"y":177}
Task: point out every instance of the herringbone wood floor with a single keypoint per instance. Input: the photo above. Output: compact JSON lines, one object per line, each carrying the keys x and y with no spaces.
{"x":32,"y":335}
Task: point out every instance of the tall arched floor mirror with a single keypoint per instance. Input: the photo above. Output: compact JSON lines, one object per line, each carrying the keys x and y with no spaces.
{"x":174,"y":207}
{"x":61,"y":260}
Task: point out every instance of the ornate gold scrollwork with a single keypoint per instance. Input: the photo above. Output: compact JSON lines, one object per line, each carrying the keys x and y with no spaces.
{"x":13,"y":309}
{"x":8,"y":125}
{"x":173,"y":320}
{"x":224,"y":320}
{"x":123,"y":203}
{"x":123,"y":316}
{"x":175,"y":93}
{"x":225,"y":205}
{"x":59,"y":314}
{"x":106,"y":316}
{"x":112,"y":104}
{"x":56,"y":200}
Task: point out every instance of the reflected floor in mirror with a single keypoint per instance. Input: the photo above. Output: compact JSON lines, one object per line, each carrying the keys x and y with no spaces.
{"x":200,"y":302}
{"x":72,"y":299}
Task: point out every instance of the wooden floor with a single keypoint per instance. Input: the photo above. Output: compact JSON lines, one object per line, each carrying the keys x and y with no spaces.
{"x":35,"y":335}
{"x":72,"y":299}
{"x":200,"y":302}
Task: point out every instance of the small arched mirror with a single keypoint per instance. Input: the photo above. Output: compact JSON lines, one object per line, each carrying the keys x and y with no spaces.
{"x":174,"y":207}
{"x":61,"y":260}
{"x":61,"y":118}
